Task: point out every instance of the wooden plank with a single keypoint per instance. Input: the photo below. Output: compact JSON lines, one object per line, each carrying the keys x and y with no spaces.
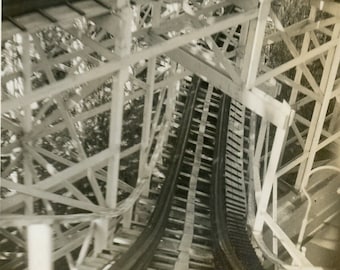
{"x":91,"y":8}
{"x":155,"y":127}
{"x":33,"y":21}
{"x":63,"y":14}
{"x":8,"y":30}
{"x":316,"y":43}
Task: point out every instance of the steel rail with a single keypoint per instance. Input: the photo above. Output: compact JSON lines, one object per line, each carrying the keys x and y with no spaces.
{"x":141,"y":252}
{"x":229,"y":254}
{"x":188,"y":225}
{"x":223,"y":252}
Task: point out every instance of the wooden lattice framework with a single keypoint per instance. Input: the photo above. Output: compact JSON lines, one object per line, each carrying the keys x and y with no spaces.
{"x":101,"y":47}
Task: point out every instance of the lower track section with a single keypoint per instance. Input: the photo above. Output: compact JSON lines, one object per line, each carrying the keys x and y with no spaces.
{"x":188,"y":227}
{"x":199,"y":220}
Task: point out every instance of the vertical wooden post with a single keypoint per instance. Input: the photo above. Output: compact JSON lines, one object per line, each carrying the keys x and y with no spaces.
{"x":274,"y":213}
{"x":143,"y":168}
{"x":170,"y":100}
{"x":122,"y":48}
{"x":252,"y":40}
{"x":123,"y":45}
{"x":27,"y":119}
{"x":143,"y":171}
{"x":39,"y":239}
{"x":255,"y":53}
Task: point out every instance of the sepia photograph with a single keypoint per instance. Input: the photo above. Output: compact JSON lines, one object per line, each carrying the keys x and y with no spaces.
{"x":170,"y":135}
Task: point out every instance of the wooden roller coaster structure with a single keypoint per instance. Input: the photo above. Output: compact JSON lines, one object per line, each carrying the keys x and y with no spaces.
{"x":166,"y":134}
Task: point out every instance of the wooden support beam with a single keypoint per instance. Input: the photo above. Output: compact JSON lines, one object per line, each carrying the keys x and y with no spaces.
{"x":297,"y":61}
{"x":320,"y":110}
{"x":295,"y":85}
{"x":294,"y":52}
{"x":143,"y":170}
{"x":71,"y":174}
{"x":260,"y":142}
{"x":34,"y":192}
{"x":112,"y":66}
{"x":250,"y":99}
{"x":101,"y":174}
{"x":222,"y":61}
{"x":302,"y":27}
{"x":10,"y":125}
{"x":296,"y":254}
{"x":269,"y":178}
{"x":157,"y":114}
{"x":27,"y":119}
{"x":12,"y":237}
{"x":81,"y":152}
{"x":123,"y":44}
{"x":256,"y":48}
{"x":39,"y":238}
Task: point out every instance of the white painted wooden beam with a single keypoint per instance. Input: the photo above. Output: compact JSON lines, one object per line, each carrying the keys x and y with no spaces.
{"x":113,"y":66}
{"x":71,"y":174}
{"x":320,"y":110}
{"x":39,"y":239}
{"x":251,"y":99}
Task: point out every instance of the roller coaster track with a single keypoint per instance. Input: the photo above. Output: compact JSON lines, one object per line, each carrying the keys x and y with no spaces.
{"x":184,"y":205}
{"x":194,"y":216}
{"x":229,"y":192}
{"x":190,"y":213}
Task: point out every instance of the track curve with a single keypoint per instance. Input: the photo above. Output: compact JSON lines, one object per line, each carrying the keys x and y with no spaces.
{"x":200,"y":145}
{"x":202,"y":206}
